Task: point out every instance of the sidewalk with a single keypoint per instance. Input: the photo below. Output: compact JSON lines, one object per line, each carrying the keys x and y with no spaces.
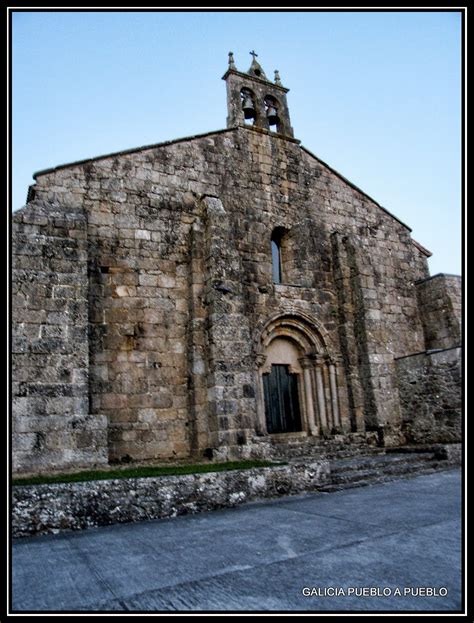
{"x":347,"y":551}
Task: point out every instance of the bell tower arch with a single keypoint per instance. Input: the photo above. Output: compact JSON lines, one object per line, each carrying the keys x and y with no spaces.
{"x":252,"y":99}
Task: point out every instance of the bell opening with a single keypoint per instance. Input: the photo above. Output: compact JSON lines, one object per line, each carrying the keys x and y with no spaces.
{"x":272,"y":117}
{"x":248,"y":106}
{"x":249,"y":112}
{"x":271,"y":111}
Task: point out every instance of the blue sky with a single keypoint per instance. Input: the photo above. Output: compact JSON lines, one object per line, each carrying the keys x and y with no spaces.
{"x":376,"y":95}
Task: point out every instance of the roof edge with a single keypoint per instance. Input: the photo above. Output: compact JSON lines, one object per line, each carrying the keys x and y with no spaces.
{"x":252,"y":128}
{"x":421,"y":248}
{"x":431,"y":351}
{"x":420,"y":281}
{"x":124,"y":152}
{"x":352,"y":185}
{"x":255,"y":79}
{"x":134,"y":150}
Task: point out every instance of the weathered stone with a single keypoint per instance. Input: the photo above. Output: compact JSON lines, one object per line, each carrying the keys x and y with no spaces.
{"x":440,"y":300}
{"x":40,"y":509}
{"x":431,"y":396}
{"x":145,"y":287}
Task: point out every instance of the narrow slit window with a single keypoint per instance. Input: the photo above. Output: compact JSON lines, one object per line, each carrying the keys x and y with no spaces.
{"x":278,"y":271}
{"x":276,"y":260}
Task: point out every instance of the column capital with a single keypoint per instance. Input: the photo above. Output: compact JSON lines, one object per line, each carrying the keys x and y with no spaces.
{"x":305,"y":362}
{"x":320,"y":360}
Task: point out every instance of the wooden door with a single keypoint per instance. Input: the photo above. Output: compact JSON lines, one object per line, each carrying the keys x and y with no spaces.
{"x":282,"y":409}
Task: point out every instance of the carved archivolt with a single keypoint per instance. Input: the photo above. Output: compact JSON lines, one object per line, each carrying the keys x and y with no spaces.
{"x":300,"y":342}
{"x":307,"y":333}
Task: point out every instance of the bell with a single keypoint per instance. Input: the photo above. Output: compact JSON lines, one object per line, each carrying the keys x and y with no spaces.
{"x":272,"y":115}
{"x":248,"y":108}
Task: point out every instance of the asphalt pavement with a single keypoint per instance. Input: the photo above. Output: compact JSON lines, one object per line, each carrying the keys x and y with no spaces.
{"x":389,"y":547}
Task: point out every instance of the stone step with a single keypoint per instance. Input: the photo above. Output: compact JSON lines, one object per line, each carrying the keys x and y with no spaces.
{"x":383,"y":477}
{"x":378,"y":462}
{"x":320,"y":449}
{"x":412,"y":449}
{"x":361,"y":471}
{"x":363,"y":474}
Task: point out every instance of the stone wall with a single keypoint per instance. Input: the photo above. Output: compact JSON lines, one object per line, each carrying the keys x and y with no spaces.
{"x":440,"y":300}
{"x":180,"y":289}
{"x":52,"y":427}
{"x":41,"y":509}
{"x":430,"y":386}
{"x":54,"y":508}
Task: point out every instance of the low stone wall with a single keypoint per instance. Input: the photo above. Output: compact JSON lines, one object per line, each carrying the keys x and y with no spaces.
{"x":41,"y":509}
{"x":452,"y":453}
{"x":430,"y":388}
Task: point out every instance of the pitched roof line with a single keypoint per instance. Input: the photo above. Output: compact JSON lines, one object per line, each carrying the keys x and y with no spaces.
{"x":352,"y":185}
{"x":197,"y":136}
{"x":124,"y":152}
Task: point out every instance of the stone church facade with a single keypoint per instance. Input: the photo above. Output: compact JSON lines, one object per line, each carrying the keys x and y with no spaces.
{"x":221,"y":296}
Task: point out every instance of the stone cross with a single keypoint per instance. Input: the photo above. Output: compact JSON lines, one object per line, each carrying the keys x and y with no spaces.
{"x":253,"y":53}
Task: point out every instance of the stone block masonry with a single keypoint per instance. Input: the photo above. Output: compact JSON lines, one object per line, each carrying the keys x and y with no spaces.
{"x":430,"y":386}
{"x":42,"y":509}
{"x":195,"y":297}
{"x":52,"y":427}
{"x":54,"y":508}
{"x":440,"y":300}
{"x":175,"y":273}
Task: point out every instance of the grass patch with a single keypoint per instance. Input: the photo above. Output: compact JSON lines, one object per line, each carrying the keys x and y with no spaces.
{"x":142,"y":472}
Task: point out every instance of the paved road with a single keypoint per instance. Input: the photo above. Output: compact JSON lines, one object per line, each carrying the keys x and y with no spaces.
{"x":259,"y":557}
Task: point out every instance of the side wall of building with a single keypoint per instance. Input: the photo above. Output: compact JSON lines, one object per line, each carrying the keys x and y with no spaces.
{"x":431,"y":396}
{"x":440,"y":301}
{"x":430,"y":383}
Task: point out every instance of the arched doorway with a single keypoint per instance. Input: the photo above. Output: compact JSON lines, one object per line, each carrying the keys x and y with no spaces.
{"x":297,"y":378}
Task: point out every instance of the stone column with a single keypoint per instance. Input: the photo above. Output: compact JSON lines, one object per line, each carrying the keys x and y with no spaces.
{"x":334,"y":398}
{"x":319,"y":361}
{"x":306,"y":364}
{"x":261,"y":423}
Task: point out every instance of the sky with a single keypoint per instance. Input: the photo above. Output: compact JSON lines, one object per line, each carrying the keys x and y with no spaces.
{"x":376,"y":95}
